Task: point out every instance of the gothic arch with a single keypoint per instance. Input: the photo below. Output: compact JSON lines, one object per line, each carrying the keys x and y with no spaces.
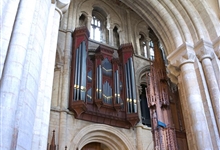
{"x":178,"y":26}
{"x":140,"y":72}
{"x":109,"y":136}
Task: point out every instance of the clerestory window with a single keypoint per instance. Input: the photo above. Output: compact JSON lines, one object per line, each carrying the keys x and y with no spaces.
{"x":143,"y":46}
{"x":151,"y":49}
{"x":95,"y":29}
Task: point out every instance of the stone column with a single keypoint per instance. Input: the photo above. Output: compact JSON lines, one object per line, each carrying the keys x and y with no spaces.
{"x":20,"y":78}
{"x":65,"y":91}
{"x":194,"y":100}
{"x":89,"y":23}
{"x":184,"y":59}
{"x":216,"y":46}
{"x":110,"y":29}
{"x":147,"y":44}
{"x":47,"y":73}
{"x":9,"y":9}
{"x":212,"y":84}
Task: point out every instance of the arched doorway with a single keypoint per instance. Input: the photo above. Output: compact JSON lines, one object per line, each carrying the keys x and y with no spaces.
{"x":101,"y":136}
{"x":95,"y":146}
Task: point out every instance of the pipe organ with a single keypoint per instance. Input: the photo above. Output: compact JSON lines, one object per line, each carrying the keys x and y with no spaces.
{"x":102,"y":88}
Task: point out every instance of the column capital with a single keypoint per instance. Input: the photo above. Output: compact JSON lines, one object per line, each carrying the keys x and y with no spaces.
{"x":183,"y":54}
{"x":110,"y":26}
{"x":172,"y":78}
{"x":175,"y":71}
{"x":61,"y":5}
{"x":216,"y":46}
{"x":204,"y":50}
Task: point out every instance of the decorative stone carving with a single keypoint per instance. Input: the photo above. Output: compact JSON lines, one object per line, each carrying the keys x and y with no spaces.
{"x":174,"y":70}
{"x":173,"y":78}
{"x":63,"y":5}
{"x":183,"y":54}
{"x":204,"y":50}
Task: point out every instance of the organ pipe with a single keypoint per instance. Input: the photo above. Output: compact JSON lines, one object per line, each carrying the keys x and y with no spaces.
{"x":83,"y":72}
{"x":97,"y":82}
{"x":76,"y":74}
{"x":129,"y":87}
{"x":117,"y":82}
{"x":79,"y":72}
{"x":127,"y":91}
{"x":133,"y":84}
{"x":100,"y":82}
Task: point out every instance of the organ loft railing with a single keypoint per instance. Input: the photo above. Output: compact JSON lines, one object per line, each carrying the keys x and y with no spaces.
{"x":102,"y":87}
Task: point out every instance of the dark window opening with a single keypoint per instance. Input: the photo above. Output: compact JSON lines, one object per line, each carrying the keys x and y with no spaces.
{"x":145,"y":113}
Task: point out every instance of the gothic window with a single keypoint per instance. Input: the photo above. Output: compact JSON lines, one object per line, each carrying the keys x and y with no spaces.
{"x":95,"y":29}
{"x":151,"y":50}
{"x":98,"y":30}
{"x":143,"y":46}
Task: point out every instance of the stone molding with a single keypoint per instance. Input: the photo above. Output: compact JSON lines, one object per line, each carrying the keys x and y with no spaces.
{"x":94,"y":131}
{"x":60,"y":12}
{"x":61,"y":6}
{"x":183,"y":54}
{"x":204,"y":50}
{"x":172,"y":78}
{"x":216,"y":45}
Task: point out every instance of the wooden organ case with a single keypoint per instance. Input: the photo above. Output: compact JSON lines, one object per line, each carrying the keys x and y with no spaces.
{"x":166,"y":116}
{"x":102,"y":88}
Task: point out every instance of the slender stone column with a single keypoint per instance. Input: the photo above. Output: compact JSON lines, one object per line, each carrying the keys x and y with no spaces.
{"x":89,"y":22}
{"x":7,"y":16}
{"x":194,"y":100}
{"x":183,"y":59}
{"x":212,"y":86}
{"x":205,"y":54}
{"x":65,"y":91}
{"x":111,"y":40}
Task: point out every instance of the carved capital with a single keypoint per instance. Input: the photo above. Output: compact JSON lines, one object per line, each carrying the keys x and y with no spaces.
{"x":204,"y":50}
{"x":173,"y":78}
{"x":62,"y":5}
{"x":175,"y":71}
{"x":183,"y":54}
{"x":216,"y":44}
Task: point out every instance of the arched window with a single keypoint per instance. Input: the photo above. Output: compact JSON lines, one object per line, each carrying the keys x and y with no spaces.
{"x":98,"y":30}
{"x":143,"y":46}
{"x":95,"y":29}
{"x":151,"y":50}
